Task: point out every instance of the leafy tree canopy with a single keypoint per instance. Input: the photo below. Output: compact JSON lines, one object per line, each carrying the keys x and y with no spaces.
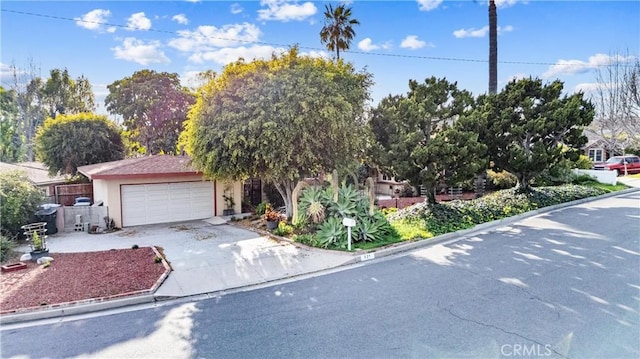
{"x":64,"y":95}
{"x":11,"y":142}
{"x":20,"y":199}
{"x":153,"y":106}
{"x":280,"y":119}
{"x":427,"y":133}
{"x":527,"y":124}
{"x":69,"y":141}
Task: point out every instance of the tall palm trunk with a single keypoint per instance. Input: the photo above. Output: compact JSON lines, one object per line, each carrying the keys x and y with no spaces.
{"x":493,"y":47}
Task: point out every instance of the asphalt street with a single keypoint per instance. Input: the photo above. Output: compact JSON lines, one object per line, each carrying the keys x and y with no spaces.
{"x":564,"y":284}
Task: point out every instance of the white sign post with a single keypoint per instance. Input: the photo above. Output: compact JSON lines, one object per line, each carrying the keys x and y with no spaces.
{"x":349,"y":222}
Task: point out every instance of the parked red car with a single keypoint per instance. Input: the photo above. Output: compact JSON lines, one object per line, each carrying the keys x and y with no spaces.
{"x":618,"y":163}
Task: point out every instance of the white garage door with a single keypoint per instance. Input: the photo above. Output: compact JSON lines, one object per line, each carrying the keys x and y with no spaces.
{"x":166,"y":202}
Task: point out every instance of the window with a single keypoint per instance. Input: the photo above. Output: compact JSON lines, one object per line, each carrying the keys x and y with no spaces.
{"x":595,"y":154}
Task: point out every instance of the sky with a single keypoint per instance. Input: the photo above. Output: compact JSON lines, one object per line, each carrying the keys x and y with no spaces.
{"x":396,"y":41}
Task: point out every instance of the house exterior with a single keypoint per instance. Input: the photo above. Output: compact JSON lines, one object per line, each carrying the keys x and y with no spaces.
{"x":158,"y":189}
{"x":596,"y":151}
{"x":38,"y":175}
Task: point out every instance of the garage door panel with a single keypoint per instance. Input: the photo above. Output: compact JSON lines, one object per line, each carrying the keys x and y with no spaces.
{"x":166,"y":202}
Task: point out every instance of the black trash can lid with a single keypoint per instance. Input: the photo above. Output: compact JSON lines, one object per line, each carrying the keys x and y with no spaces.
{"x":46,"y":211}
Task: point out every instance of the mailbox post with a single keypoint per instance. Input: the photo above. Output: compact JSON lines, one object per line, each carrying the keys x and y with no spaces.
{"x":349,"y":222}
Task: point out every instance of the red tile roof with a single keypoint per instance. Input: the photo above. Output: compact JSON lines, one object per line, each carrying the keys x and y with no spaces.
{"x":141,"y":167}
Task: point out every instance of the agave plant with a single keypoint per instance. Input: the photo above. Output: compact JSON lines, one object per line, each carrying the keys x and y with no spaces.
{"x":331,"y":232}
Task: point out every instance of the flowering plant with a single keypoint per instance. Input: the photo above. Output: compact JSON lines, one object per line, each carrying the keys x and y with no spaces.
{"x":272,"y":216}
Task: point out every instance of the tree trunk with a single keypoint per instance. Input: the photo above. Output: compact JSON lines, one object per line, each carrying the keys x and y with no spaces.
{"x":523,"y":183}
{"x":493,"y":48}
{"x":285,"y":188}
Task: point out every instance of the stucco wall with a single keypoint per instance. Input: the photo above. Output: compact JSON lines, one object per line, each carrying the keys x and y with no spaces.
{"x":229,"y":188}
{"x":109,"y":192}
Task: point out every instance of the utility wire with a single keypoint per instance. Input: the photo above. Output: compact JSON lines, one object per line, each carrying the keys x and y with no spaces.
{"x":437,"y":58}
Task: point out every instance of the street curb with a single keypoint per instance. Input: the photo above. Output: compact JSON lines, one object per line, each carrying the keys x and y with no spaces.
{"x":72,"y":308}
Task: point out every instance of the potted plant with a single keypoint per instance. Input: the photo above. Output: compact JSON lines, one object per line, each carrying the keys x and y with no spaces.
{"x":272,"y":218}
{"x":38,"y":245}
{"x":229,"y":203}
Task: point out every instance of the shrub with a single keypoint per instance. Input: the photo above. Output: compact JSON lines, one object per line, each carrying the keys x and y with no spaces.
{"x":451,"y":216}
{"x":157,"y":259}
{"x":410,"y":229}
{"x":583,"y":163}
{"x":260,"y":208}
{"x":559,"y":173}
{"x":283,"y":229}
{"x":19,"y":201}
{"x":135,"y":246}
{"x":7,"y":245}
{"x":501,"y":180}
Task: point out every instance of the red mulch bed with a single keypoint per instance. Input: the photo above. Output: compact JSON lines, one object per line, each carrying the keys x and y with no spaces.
{"x":79,"y":276}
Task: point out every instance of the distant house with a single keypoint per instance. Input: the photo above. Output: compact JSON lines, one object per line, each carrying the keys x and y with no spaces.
{"x":159,"y":189}
{"x":596,"y":151}
{"x":38,"y":174}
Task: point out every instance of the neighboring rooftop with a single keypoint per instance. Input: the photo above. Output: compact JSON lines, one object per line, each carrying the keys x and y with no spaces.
{"x":140,"y":167}
{"x":36,"y":172}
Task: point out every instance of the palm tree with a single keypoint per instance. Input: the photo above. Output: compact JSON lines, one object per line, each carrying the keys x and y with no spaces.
{"x":337,"y":31}
{"x":493,"y":47}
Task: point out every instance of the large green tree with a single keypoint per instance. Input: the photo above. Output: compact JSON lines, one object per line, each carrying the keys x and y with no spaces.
{"x":38,"y":99}
{"x":153,"y":106}
{"x":64,"y":95}
{"x":11,"y":142}
{"x":427,"y":136}
{"x":528,"y":123}
{"x":69,"y":141}
{"x":337,"y":31}
{"x":281,"y":119}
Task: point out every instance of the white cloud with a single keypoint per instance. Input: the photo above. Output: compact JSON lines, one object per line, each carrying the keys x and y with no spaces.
{"x":6,"y":73}
{"x":193,"y":0}
{"x":236,"y":8}
{"x":507,"y":3}
{"x":412,"y":42}
{"x":138,"y":21}
{"x":570,"y":67}
{"x":206,"y":38}
{"x":94,"y":20}
{"x":138,"y":51}
{"x":367,"y":45}
{"x":481,"y":32}
{"x":428,"y":5}
{"x":230,"y":54}
{"x":283,"y":10}
{"x":181,"y":19}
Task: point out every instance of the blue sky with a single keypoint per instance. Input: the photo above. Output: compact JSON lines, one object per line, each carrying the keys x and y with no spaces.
{"x":396,"y":40}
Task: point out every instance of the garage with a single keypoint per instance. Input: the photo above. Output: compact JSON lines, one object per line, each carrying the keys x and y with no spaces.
{"x":166,"y":202}
{"x":159,"y":189}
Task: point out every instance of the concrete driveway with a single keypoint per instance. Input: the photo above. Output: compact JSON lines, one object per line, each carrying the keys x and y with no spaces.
{"x":207,"y":258}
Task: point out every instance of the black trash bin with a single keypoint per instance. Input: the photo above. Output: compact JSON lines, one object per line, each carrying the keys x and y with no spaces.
{"x":48,"y":215}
